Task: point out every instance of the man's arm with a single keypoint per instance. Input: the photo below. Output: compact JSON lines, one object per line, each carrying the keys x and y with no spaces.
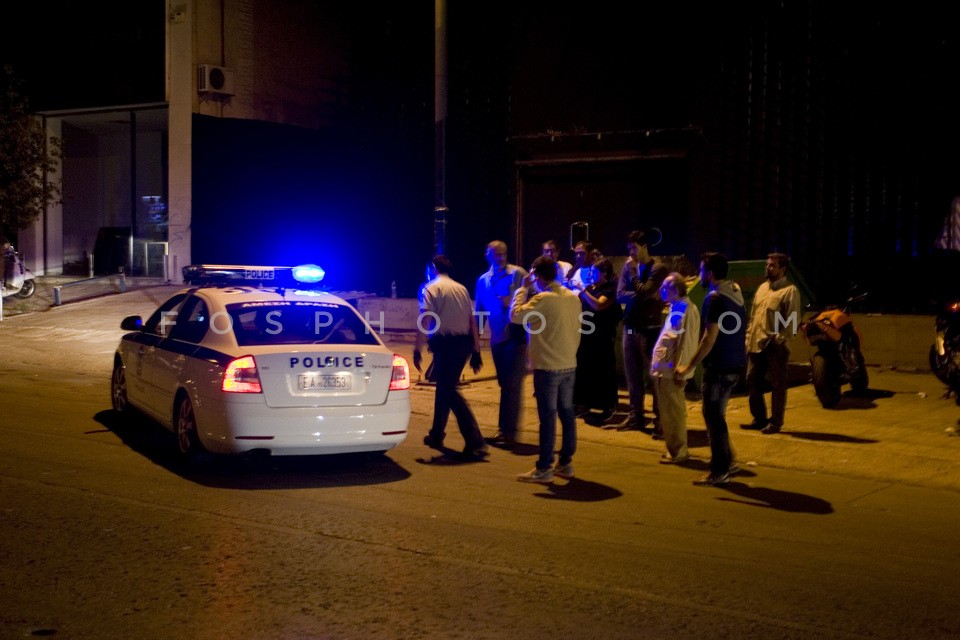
{"x":625,"y":291}
{"x":651,"y":288}
{"x":706,"y":344}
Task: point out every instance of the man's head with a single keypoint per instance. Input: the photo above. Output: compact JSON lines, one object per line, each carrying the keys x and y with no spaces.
{"x":497,"y":253}
{"x":546,"y":271}
{"x":583,"y":252}
{"x":777,"y":266}
{"x":550,"y":250}
{"x":713,"y":268}
{"x":674,"y":287}
{"x":637,"y":246}
{"x":441,"y":264}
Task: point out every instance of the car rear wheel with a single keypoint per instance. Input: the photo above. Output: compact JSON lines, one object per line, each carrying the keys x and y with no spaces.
{"x":118,"y":389}
{"x":188,"y":442}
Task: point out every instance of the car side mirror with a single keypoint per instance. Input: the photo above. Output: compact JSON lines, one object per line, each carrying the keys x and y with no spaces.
{"x":132,"y":323}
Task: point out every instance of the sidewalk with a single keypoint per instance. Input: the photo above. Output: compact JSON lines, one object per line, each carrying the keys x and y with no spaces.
{"x":897,"y":434}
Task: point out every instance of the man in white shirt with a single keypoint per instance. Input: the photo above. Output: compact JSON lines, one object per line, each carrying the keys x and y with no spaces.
{"x":446,"y":315}
{"x":551,"y":251}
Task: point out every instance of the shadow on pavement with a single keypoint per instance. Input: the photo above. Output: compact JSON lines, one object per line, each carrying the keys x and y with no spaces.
{"x":577,"y":490}
{"x":827,"y":437}
{"x":776,"y":499}
{"x":251,"y":472}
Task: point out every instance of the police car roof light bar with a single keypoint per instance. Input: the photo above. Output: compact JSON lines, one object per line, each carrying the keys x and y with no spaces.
{"x":301,"y":276}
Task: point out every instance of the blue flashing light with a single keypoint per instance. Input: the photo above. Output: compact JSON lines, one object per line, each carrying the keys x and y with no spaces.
{"x":308,"y":273}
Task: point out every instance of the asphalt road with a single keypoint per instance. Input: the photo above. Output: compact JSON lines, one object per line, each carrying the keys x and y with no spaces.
{"x":107,"y":535}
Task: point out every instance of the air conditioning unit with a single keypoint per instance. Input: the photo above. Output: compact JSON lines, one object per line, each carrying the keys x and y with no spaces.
{"x":214,"y":80}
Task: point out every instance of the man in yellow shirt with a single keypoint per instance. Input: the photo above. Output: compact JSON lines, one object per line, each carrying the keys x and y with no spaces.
{"x":552,"y":320}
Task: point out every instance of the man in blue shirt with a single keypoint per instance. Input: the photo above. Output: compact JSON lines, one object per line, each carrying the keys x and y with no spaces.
{"x":508,"y":342}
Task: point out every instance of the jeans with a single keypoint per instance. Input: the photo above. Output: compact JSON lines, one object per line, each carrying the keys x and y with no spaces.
{"x":773,"y":361}
{"x":450,"y":355}
{"x":510,"y":361}
{"x":554,"y":392}
{"x":716,"y":392}
{"x":637,"y":353}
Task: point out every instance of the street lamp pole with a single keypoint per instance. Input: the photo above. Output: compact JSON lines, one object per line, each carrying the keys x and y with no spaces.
{"x":440,"y":210}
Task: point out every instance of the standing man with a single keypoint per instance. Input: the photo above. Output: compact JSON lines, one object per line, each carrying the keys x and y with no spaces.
{"x":723,"y":356}
{"x":583,"y":274}
{"x":448,"y":312}
{"x":774,"y":319}
{"x":639,"y":289}
{"x":675,"y":347}
{"x":550,"y":251}
{"x":508,"y":341}
{"x":552,"y":318}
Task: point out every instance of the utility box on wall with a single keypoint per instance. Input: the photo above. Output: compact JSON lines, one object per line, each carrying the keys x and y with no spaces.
{"x":215,"y":81}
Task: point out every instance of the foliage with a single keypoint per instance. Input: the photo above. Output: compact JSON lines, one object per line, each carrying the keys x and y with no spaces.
{"x":26,"y":156}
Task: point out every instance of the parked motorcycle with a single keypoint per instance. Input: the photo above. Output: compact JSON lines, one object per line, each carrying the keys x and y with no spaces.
{"x":945,"y":351}
{"x":17,"y":279}
{"x":838,"y":359}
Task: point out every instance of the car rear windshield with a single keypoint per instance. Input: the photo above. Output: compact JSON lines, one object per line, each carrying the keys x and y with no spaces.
{"x":295,"y":322}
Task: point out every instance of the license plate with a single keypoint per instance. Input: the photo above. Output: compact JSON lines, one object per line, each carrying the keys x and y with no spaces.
{"x":325,"y":382}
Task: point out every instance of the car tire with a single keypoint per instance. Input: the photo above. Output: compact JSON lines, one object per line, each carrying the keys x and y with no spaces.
{"x":118,"y":390}
{"x":27,"y":290}
{"x":185,"y":428}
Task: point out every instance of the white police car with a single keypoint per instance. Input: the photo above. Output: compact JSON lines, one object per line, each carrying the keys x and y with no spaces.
{"x":251,"y":359}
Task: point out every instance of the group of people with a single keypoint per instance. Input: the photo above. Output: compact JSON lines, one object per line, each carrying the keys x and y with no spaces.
{"x":561,"y":319}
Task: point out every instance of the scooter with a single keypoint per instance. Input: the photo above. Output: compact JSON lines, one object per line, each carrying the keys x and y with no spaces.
{"x":838,"y":359}
{"x":18,"y":281}
{"x":945,"y":351}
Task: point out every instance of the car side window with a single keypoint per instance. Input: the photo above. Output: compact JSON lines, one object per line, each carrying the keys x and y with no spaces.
{"x":164,"y":319}
{"x":193,"y":321}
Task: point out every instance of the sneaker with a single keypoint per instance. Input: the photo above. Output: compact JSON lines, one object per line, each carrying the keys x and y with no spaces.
{"x":432,"y":442}
{"x":666,"y":459}
{"x":565,"y":471}
{"x":755,"y":426}
{"x":541,"y":476}
{"x":712,"y":479}
{"x":734,"y":469}
{"x":771,"y":428}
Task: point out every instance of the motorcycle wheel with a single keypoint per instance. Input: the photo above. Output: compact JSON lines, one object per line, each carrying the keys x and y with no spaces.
{"x":27,"y":290}
{"x":860,"y":379}
{"x":825,"y":382}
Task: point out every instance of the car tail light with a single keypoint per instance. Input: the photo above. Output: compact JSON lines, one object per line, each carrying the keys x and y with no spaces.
{"x":400,"y":379}
{"x":241,"y":376}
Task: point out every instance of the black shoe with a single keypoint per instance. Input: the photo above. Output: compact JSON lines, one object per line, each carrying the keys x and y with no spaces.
{"x":475,"y":453}
{"x":657,"y":434}
{"x":432,"y":442}
{"x":771,"y":428}
{"x":501,"y":438}
{"x":754,"y":426}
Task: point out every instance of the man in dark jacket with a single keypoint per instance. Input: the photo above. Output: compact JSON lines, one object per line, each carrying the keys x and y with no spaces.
{"x":639,"y":289}
{"x":723,"y":354}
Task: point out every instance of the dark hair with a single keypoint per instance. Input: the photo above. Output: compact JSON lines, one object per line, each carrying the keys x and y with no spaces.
{"x":715,"y":263}
{"x":545,"y":268}
{"x":605,"y":266}
{"x":587,"y":246}
{"x":782,"y":259}
{"x":637,"y":237}
{"x":442,"y":263}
